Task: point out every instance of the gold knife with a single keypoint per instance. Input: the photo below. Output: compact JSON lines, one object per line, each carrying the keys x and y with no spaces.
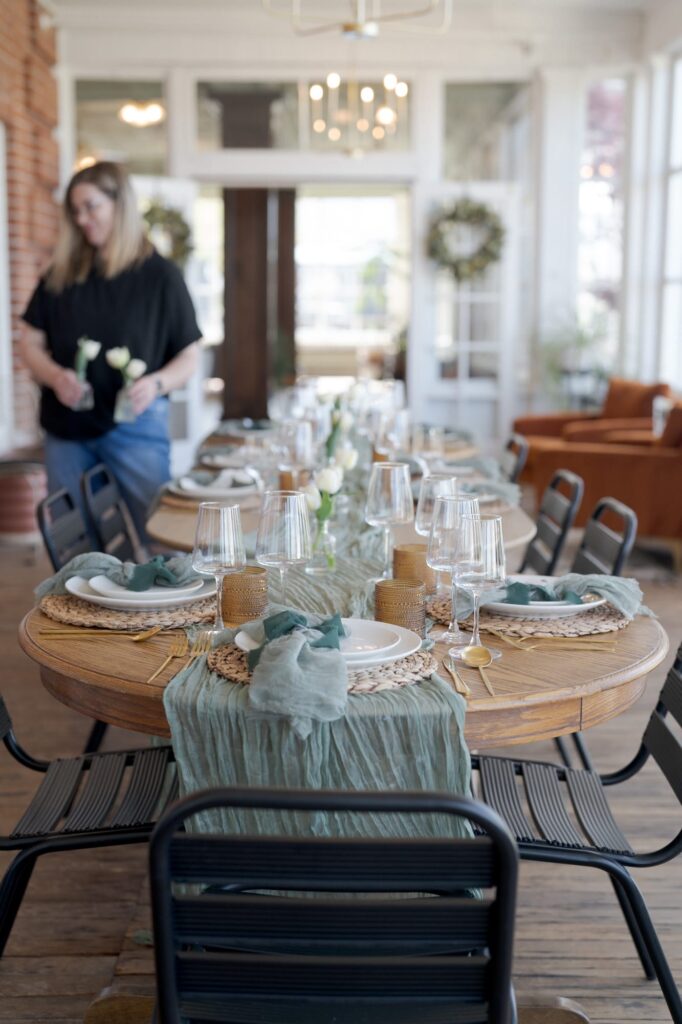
{"x":460,"y":685}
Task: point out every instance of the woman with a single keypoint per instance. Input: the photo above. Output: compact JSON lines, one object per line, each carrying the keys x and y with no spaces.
{"x":107,"y":283}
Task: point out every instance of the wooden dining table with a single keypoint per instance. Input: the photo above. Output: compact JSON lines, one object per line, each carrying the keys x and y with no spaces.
{"x":538,"y":694}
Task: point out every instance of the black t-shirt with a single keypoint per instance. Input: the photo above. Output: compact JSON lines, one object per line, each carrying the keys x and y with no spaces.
{"x":146,"y":308}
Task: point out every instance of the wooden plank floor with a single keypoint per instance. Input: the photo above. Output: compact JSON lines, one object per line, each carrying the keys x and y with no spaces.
{"x":571,"y":939}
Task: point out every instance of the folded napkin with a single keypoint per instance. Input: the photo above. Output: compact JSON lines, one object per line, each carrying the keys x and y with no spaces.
{"x":225,"y":480}
{"x":623,"y":593}
{"x":510,"y":493}
{"x":160,"y":571}
{"x":298,"y":671}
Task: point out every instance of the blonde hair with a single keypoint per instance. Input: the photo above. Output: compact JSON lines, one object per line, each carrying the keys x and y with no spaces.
{"x":127,"y":245}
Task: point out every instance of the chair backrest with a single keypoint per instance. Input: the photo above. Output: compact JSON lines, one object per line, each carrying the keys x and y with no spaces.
{"x":604,"y":549}
{"x":109,"y":513}
{"x":344,"y":958}
{"x":514,"y":457}
{"x":659,"y":740}
{"x":555,"y":518}
{"x":63,"y":528}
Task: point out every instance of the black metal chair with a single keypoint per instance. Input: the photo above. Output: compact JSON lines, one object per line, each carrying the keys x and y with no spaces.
{"x":555,"y":518}
{"x":227,"y":955}
{"x":514,"y":457}
{"x":82,"y":802}
{"x":603,"y":548}
{"x":109,"y":513}
{"x":63,"y":528}
{"x":66,"y":535}
{"x":590,"y":836}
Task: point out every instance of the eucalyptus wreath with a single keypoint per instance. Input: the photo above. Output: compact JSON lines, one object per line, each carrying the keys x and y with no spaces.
{"x":171,"y":223}
{"x":439,"y":239}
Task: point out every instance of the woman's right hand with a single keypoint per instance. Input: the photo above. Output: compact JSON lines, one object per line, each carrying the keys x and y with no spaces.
{"x":67,"y":387}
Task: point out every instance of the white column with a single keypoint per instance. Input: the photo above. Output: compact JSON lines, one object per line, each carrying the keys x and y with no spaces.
{"x":561,"y":126}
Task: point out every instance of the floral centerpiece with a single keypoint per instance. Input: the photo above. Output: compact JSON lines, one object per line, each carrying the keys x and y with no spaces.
{"x":88,"y":349}
{"x":320,"y":495}
{"x":131,"y":370}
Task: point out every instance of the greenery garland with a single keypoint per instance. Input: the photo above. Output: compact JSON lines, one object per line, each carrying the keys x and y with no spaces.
{"x":173,"y":224}
{"x":466,"y":211}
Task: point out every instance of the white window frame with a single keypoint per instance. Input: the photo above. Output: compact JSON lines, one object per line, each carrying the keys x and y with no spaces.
{"x":670,"y":172}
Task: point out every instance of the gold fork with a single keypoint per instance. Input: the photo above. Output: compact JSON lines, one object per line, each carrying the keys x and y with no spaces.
{"x":178,"y":650}
{"x":83,"y":633}
{"x":202,"y":645}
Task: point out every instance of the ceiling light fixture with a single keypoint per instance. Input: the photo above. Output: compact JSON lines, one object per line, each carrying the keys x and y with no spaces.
{"x":355,"y":116}
{"x":366,"y":17}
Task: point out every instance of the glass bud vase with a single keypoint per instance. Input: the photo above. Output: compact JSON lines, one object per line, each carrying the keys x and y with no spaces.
{"x":123,"y":410}
{"x":87,"y":396}
{"x":324,"y":550}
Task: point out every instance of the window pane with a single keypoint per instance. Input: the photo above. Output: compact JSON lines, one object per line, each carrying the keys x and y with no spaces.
{"x":351,"y":117}
{"x":102,"y":133}
{"x":673,"y":246}
{"x":487,"y":131}
{"x":671,"y":335}
{"x":676,"y":123}
{"x":600,"y":251}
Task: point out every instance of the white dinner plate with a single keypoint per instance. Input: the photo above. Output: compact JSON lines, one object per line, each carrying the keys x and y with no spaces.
{"x":543,"y":609}
{"x":81,"y":588}
{"x":408,"y":643}
{"x":185,"y":487}
{"x":224,"y":461}
{"x":367,"y":638}
{"x":107,"y":588}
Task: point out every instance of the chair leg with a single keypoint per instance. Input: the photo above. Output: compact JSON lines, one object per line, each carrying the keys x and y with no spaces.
{"x":560,"y":744}
{"x":631,"y":922}
{"x":631,"y":893}
{"x":583,"y":752}
{"x":94,"y":740}
{"x":12,"y":892}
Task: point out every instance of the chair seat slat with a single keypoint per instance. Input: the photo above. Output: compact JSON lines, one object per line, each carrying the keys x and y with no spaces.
{"x":594,"y":812}
{"x":98,"y":794}
{"x":51,"y":799}
{"x":546,"y":805}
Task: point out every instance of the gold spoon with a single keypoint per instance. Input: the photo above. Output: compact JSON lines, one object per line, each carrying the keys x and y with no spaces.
{"x":477,"y":656}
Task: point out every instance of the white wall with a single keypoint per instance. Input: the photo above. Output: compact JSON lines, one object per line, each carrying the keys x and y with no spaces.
{"x":663,"y":27}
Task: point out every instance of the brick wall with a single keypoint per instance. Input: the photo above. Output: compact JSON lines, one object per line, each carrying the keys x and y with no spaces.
{"x":28,"y":108}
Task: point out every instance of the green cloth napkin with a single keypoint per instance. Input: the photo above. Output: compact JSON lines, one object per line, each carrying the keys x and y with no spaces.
{"x":283,"y":623}
{"x":623,"y":593}
{"x":171,"y":572}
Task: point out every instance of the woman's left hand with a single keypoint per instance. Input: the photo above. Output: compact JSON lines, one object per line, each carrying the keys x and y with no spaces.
{"x":142,"y":393}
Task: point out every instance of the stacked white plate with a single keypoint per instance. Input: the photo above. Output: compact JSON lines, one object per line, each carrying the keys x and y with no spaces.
{"x":103,"y":591}
{"x":370,"y":644}
{"x":543,"y":609}
{"x":230,"y":483}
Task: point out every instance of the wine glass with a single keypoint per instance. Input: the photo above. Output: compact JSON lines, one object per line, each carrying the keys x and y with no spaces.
{"x":283,"y":536}
{"x":389,"y":502}
{"x":443,"y":551}
{"x":480,"y":568}
{"x":218,"y":547}
{"x":433,"y":485}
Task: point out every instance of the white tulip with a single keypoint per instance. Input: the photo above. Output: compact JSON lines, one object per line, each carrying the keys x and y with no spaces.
{"x":347,"y":458}
{"x":346,"y":422}
{"x":329,"y":479}
{"x":135,"y":369}
{"x":118,"y":358}
{"x":313,"y":497}
{"x":89,"y":348}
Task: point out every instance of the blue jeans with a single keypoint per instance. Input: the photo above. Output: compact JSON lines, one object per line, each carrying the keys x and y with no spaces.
{"x":137,"y":454}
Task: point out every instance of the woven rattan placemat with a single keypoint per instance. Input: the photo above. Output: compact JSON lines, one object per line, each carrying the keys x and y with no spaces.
{"x":75,"y":612}
{"x":604,"y":619}
{"x":230,"y":662}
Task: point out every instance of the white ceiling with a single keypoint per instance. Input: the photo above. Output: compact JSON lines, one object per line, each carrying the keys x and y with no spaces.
{"x":341,"y":6}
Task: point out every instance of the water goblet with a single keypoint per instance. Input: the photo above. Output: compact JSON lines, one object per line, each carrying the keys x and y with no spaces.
{"x":442,"y":551}
{"x":433,"y":485}
{"x":389,"y":502}
{"x":480,"y":569}
{"x":218,"y":548}
{"x":283,"y":537}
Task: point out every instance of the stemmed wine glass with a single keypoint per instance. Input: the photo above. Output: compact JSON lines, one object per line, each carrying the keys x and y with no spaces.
{"x":443,"y":551}
{"x":433,"y":485}
{"x":283,"y":536}
{"x":218,"y":547}
{"x":389,"y":502}
{"x":480,"y":568}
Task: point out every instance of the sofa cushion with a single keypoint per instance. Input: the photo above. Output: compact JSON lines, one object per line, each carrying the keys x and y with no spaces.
{"x":672,"y":432}
{"x":629,"y":398}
